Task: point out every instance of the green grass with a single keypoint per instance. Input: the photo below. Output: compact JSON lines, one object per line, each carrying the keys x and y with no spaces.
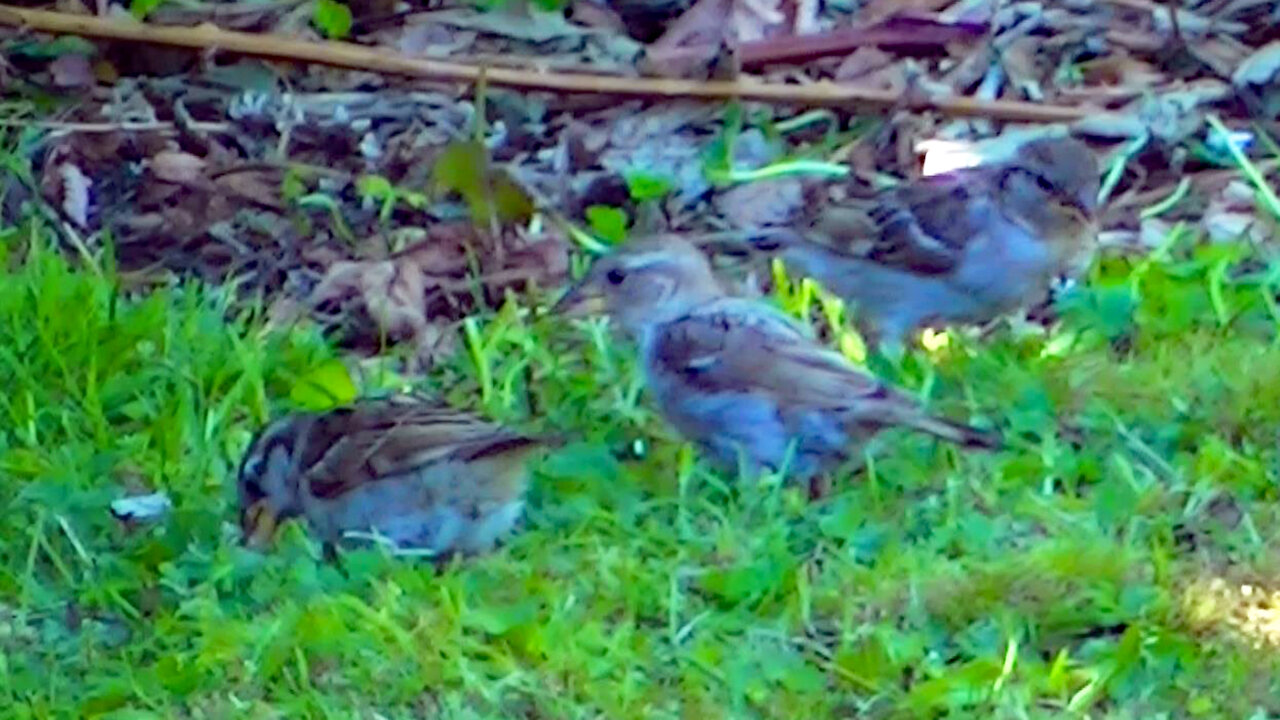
{"x":1048,"y":579}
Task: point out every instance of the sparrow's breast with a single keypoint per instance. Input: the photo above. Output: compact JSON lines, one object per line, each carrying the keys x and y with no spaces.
{"x":1006,"y":266}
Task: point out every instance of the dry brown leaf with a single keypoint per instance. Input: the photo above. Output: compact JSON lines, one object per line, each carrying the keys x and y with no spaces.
{"x":1233,"y":213}
{"x":690,"y":42}
{"x":1176,"y":114}
{"x":806,"y":17}
{"x":1260,"y":68}
{"x":393,"y":293}
{"x":72,"y":70}
{"x":1020,"y":62}
{"x":175,"y":166}
{"x":261,"y":187}
{"x":881,"y":9}
{"x":754,"y":19}
{"x":873,"y":66}
{"x":75,"y":193}
{"x":1121,"y":69}
{"x":765,"y":202}
{"x":596,"y":15}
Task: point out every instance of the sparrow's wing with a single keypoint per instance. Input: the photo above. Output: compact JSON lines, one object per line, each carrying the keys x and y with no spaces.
{"x":386,"y":438}
{"x":735,"y":345}
{"x":923,"y":227}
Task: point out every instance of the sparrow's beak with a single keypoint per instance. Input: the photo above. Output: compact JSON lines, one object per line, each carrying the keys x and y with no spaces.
{"x":582,"y":300}
{"x":1079,"y":207}
{"x":258,"y":525}
{"x":1087,"y":201}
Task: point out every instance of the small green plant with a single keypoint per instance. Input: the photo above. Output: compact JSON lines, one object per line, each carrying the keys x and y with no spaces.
{"x":608,"y":223}
{"x":646,"y":187}
{"x":718,"y":161}
{"x":327,"y":203}
{"x":464,"y":169}
{"x":375,"y":188}
{"x":333,"y":18}
{"x":140,"y":9}
{"x":39,"y":49}
{"x":544,"y":5}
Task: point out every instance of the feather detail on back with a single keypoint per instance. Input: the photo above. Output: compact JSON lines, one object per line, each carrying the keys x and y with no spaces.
{"x":922,"y":228}
{"x":377,"y":439}
{"x":731,"y":346}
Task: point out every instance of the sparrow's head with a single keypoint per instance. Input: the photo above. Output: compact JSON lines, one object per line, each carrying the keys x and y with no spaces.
{"x":643,"y":283}
{"x":1052,"y":185}
{"x":267,"y":484}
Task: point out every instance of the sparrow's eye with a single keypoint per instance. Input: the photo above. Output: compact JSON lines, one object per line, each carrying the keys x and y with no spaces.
{"x":252,"y":469}
{"x":1043,"y":184}
{"x":615,"y":276}
{"x":253,"y":489}
{"x":252,"y":466}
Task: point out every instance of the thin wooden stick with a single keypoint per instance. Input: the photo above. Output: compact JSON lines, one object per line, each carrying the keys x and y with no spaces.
{"x":359,"y":57}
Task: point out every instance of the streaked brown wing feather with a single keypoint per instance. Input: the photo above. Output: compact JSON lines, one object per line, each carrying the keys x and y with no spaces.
{"x":923,"y":227}
{"x":926,"y":226}
{"x":384,"y":438}
{"x":724,"y":348}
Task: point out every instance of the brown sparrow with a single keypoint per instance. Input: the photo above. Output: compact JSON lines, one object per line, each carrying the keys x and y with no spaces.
{"x":967,"y":246}
{"x":421,"y":477}
{"x":738,"y":377}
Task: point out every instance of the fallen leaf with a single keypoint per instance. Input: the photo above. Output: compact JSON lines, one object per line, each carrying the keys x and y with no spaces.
{"x":261,"y":187}
{"x":754,"y":19}
{"x":75,"y":193}
{"x":72,"y":70}
{"x":518,"y":20}
{"x":1176,"y":114}
{"x":765,"y":202}
{"x":596,"y":15}
{"x":1232,"y":214}
{"x":1121,"y":70}
{"x":326,"y":386}
{"x":177,"y":167}
{"x":464,"y":168}
{"x":691,"y":41}
{"x":1260,"y":68}
{"x":862,"y":62}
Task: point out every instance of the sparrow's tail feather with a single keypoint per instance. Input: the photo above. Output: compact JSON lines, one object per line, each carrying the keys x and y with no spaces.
{"x":509,"y":444}
{"x":500,"y":467}
{"x":963,"y":435}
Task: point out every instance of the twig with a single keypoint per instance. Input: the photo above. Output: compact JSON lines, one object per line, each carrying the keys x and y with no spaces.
{"x":1172,"y":7}
{"x":358,"y":57}
{"x":905,"y":31}
{"x":57,"y":128}
{"x":90,"y":127}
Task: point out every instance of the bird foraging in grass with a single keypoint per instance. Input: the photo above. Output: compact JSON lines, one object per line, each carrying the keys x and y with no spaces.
{"x":419,"y":476}
{"x":736,"y":376}
{"x":966,"y":246}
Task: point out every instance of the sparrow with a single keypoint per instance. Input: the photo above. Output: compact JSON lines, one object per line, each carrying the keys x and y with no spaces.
{"x":739,"y":378}
{"x":417,"y":475}
{"x":961,"y":247}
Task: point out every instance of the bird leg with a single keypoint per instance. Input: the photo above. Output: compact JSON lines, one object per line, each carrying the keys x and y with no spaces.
{"x":820,"y":486}
{"x":329,"y":553}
